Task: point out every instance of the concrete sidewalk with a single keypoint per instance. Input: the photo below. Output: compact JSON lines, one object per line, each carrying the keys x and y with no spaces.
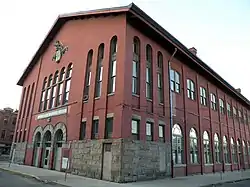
{"x":50,"y":176}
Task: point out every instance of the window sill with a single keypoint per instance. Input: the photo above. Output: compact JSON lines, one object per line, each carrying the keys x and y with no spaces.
{"x":150,"y":100}
{"x":96,"y":98}
{"x":208,"y":164}
{"x":162,"y":104}
{"x":228,"y":164}
{"x":135,"y":95}
{"x":110,"y":94}
{"x":180,"y":165}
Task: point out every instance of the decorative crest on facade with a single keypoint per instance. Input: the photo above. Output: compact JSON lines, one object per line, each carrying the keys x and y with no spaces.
{"x":60,"y":51}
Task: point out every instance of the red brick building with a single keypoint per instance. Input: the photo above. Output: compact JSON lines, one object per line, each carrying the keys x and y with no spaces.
{"x":7,"y":127}
{"x":96,"y":93}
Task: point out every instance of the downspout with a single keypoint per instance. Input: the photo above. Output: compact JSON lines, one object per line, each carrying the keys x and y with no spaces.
{"x":171,"y":110}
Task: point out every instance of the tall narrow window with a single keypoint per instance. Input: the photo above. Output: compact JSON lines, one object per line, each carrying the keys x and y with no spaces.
{"x":82,"y":132}
{"x":226,"y":150}
{"x":26,"y":101}
{"x":162,"y":133}
{"x":98,"y":88}
{"x":53,"y":91}
{"x":149,"y":72}
{"x":88,"y":75}
{"x":229,"y":111}
{"x":135,"y":129}
{"x":177,"y":149}
{"x":67,"y":84}
{"x":109,"y":128}
{"x":30,"y":99}
{"x":193,"y":146}
{"x":217,"y":148}
{"x":233,"y":150}
{"x":207,"y":150}
{"x":175,"y":81}
{"x":190,"y":89}
{"x":239,"y":149}
{"x":43,"y":94}
{"x":222,"y":109}
{"x":160,"y":77}
{"x":112,"y":65}
{"x":60,"y":87}
{"x":95,"y":126}
{"x":203,"y":96}
{"x":213,"y":101}
{"x":149,"y":131}
{"x":47,"y":96}
{"x":234,"y":112}
{"x":244,"y":151}
{"x":136,"y":66}
{"x":21,"y":105}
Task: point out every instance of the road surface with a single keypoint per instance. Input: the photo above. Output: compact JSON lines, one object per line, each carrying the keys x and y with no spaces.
{"x":10,"y":180}
{"x":245,"y":183}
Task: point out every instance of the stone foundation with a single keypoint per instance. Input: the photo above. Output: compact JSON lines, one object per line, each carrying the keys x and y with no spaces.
{"x":19,"y":154}
{"x":131,"y":160}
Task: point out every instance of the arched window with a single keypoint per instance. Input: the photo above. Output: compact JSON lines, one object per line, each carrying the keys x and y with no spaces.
{"x":88,"y":74}
{"x":48,"y":92}
{"x":67,"y":84}
{"x":207,"y":151}
{"x":193,"y":146}
{"x":60,"y":87}
{"x":136,"y":66}
{"x":53,"y":91}
{"x":112,"y":65}
{"x":233,"y":150}
{"x":217,"y":148}
{"x":43,"y":94}
{"x":245,"y":151}
{"x":177,"y":144}
{"x":226,"y":150}
{"x":160,"y":76}
{"x":149,"y":72}
{"x":99,"y":70}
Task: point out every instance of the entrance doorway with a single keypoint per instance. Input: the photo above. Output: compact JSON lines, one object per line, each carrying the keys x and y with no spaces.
{"x":107,"y":161}
{"x":58,"y":149}
{"x":37,"y":143}
{"x":46,"y":149}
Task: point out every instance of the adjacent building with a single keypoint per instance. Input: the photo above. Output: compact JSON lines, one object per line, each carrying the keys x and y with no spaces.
{"x":111,"y":91}
{"x":7,"y":127}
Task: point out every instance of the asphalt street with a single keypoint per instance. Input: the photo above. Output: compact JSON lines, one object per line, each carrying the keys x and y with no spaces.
{"x":245,"y":183}
{"x":10,"y":180}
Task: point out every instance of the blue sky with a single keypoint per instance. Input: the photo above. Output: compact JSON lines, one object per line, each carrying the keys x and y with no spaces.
{"x":218,"y":29}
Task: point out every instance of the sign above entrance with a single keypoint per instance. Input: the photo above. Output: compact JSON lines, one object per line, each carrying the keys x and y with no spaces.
{"x":52,"y":113}
{"x":60,"y":50}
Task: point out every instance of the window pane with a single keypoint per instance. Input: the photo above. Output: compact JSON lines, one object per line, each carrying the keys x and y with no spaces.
{"x":148,"y":129}
{"x":177,"y":77}
{"x":134,"y":129}
{"x":89,"y":78}
{"x":161,"y":133}
{"x":134,"y":69}
{"x":113,"y":68}
{"x":147,"y":75}
{"x":172,"y":75}
{"x":68,"y":85}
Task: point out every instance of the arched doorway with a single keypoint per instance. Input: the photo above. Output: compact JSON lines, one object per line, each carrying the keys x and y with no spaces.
{"x":58,"y":141}
{"x":46,"y":149}
{"x":37,"y":144}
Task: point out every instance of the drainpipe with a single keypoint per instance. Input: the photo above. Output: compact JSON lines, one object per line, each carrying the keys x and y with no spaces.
{"x":171,"y":110}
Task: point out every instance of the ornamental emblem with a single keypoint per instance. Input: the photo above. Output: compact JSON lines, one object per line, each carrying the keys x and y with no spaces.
{"x":60,"y":51}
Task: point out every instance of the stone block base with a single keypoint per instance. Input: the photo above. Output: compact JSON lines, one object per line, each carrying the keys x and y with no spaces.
{"x":130,"y":160}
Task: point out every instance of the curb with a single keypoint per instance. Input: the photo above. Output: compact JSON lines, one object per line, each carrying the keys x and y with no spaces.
{"x":26,"y":175}
{"x":226,"y":182}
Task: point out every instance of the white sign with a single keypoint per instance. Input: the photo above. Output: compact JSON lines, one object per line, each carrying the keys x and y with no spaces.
{"x":52,"y":113}
{"x":65,"y":164}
